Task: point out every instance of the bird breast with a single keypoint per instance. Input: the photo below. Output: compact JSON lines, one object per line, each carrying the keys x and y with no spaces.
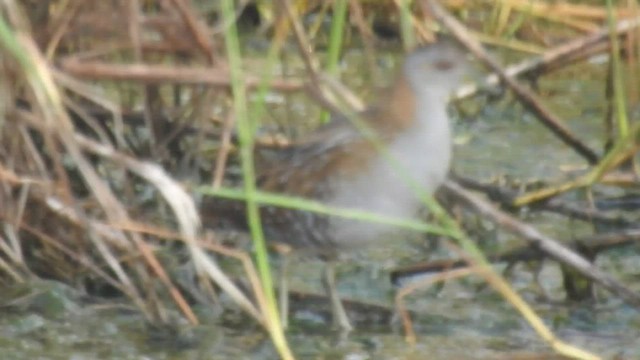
{"x":421,"y":155}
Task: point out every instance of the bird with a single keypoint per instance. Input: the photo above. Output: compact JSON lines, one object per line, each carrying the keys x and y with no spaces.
{"x":340,"y":166}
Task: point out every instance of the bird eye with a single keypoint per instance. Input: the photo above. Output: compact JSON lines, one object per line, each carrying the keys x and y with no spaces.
{"x":443,"y":65}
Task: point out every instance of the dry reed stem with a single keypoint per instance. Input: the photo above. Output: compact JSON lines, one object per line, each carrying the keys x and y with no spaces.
{"x":162,"y":74}
{"x":550,"y":246}
{"x":223,"y":151}
{"x":196,"y":28}
{"x":527,"y":97}
{"x":81,"y":259}
{"x":209,"y":244}
{"x":566,"y":9}
{"x":410,"y":335}
{"x":556,"y":57}
{"x":59,"y":129}
{"x":357,"y":14}
{"x":185,"y":211}
{"x":304,"y":45}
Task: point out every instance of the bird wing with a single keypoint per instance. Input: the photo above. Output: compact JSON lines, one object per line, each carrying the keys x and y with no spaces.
{"x":309,"y":166}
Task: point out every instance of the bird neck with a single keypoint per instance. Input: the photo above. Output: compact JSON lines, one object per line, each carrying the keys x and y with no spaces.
{"x":409,"y":109}
{"x":398,"y":107}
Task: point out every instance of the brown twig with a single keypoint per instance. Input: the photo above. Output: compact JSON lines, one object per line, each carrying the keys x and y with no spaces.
{"x":526,"y":96}
{"x":161,"y":74}
{"x":223,"y":151}
{"x":304,"y":45}
{"x":546,"y":244}
{"x":506,"y":198}
{"x":197,"y":29}
{"x":410,"y":335}
{"x":574,"y":50}
{"x":590,"y":244}
{"x":355,"y":9}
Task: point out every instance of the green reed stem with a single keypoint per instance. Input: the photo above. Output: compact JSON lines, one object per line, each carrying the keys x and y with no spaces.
{"x":256,"y":110}
{"x":245,"y":135}
{"x":335,"y":43}
{"x":618,"y":84}
{"x":406,"y":25}
{"x":290,"y":202}
{"x":336,"y":36}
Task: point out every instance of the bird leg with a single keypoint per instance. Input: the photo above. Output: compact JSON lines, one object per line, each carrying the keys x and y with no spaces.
{"x":284,"y":292}
{"x":338,"y":313}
